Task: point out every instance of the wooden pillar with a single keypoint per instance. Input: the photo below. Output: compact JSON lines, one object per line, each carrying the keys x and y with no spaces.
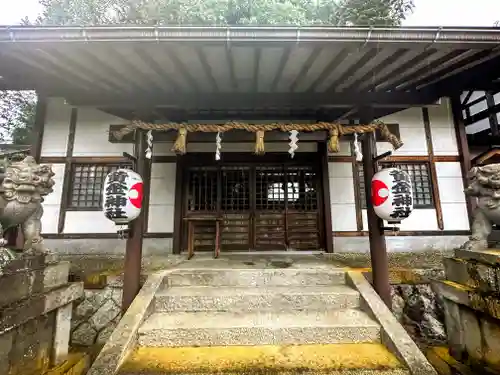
{"x":327,"y":210}
{"x":68,"y":167}
{"x":432,"y":168}
{"x":178,"y":206}
{"x":38,"y":128}
{"x":378,"y":251}
{"x":490,"y":102}
{"x":133,"y":252}
{"x":463,"y":149}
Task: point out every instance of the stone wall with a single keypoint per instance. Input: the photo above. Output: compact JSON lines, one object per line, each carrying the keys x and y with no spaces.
{"x":27,"y":348}
{"x":472,"y":308}
{"x":35,"y":306}
{"x":96,"y":315}
{"x":421,"y":312}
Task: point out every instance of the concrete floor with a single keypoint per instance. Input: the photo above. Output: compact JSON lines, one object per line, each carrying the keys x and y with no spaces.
{"x":105,"y":264}
{"x":258,"y":261}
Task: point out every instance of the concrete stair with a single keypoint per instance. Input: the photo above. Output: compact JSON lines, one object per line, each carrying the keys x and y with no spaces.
{"x":258,"y":328}
{"x":257,"y":307}
{"x":342,"y":359}
{"x":257,"y":277}
{"x":268,"y":298}
{"x":248,"y":321}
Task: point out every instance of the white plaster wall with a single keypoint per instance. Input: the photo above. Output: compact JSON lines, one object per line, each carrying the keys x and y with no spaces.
{"x":162,"y":198}
{"x":92,"y":134}
{"x":452,"y":197}
{"x":55,"y":134}
{"x":342,"y":197}
{"x":399,"y":243}
{"x":444,"y":139}
{"x":412,"y":133}
{"x":344,"y":149}
{"x":420,"y":219}
{"x":91,"y":139}
{"x":87,"y":222}
{"x":52,"y":202}
{"x":161,"y":207}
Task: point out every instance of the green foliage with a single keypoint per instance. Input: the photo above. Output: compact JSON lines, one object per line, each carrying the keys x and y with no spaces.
{"x":17,"y":109}
{"x":225,"y":12}
{"x":17,"y":116}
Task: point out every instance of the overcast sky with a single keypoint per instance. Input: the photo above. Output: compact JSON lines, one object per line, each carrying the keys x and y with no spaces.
{"x":427,"y":12}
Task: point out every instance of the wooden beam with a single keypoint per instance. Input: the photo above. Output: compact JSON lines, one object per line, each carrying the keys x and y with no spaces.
{"x":133,"y":252}
{"x":38,"y":128}
{"x":483,"y":114}
{"x":378,"y":251}
{"x":492,"y":116}
{"x":103,"y":159}
{"x":68,"y":166}
{"x":327,"y":207}
{"x":234,"y":136}
{"x":432,"y":167}
{"x":98,"y":236}
{"x":228,"y":101}
{"x":239,"y":136}
{"x":357,"y":191}
{"x":463,"y":149}
{"x":178,"y":209}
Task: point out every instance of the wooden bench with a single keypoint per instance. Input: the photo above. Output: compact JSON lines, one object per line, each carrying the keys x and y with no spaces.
{"x":192,"y":221}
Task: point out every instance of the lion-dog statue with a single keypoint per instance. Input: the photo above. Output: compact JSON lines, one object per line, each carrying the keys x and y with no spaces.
{"x":23,"y":185}
{"x":484,"y":183}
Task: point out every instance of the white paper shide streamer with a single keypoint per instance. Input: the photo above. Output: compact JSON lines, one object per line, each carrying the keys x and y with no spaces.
{"x":293,"y":142}
{"x":357,"y":151}
{"x":149,"y":141}
{"x":218,"y":146}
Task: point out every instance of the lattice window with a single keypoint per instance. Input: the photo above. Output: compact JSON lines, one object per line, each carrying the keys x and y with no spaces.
{"x":235,"y":188}
{"x":87,"y":183}
{"x":420,"y":179}
{"x":302,"y":194}
{"x":270,"y":188}
{"x":202,"y":195}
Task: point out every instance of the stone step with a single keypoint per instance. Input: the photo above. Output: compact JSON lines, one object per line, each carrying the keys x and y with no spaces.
{"x":472,"y":274}
{"x":275,"y":298}
{"x":345,"y":359}
{"x":258,"y":328}
{"x":19,"y":284}
{"x":486,"y":256}
{"x":256,"y":277}
{"x":292,"y":371}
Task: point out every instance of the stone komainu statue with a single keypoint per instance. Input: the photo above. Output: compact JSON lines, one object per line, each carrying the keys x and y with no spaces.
{"x":484,"y":183}
{"x":23,"y":184}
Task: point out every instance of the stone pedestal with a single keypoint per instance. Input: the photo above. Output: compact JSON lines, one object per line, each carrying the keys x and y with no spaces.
{"x":471,"y":294}
{"x":35,"y":314}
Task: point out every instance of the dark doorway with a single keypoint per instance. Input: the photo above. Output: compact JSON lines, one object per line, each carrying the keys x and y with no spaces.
{"x":268,"y":203}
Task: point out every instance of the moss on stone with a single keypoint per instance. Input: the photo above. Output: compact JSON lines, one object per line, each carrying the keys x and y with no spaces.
{"x":262,"y":359}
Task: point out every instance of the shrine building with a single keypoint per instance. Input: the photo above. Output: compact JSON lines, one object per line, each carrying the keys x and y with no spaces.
{"x":108,"y":96}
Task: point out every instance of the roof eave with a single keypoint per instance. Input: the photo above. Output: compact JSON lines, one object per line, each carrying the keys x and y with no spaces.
{"x":453,"y":36}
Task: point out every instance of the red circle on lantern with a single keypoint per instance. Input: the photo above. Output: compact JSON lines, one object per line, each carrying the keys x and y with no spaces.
{"x":380,"y":192}
{"x":137,"y":200}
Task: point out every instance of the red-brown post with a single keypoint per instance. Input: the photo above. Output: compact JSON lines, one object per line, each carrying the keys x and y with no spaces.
{"x":463,"y":149}
{"x":133,"y":252}
{"x":378,"y":251}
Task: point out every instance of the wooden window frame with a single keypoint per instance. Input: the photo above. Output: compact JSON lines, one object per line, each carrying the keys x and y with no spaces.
{"x":72,"y":179}
{"x":362,"y":198}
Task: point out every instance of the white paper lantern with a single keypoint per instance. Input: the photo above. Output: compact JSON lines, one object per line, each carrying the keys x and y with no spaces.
{"x":122,"y":196}
{"x":392,"y":194}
